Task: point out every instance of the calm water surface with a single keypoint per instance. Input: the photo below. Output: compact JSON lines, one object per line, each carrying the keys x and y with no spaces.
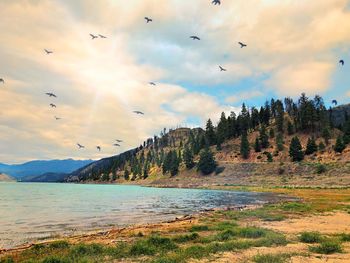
{"x":31,"y":211}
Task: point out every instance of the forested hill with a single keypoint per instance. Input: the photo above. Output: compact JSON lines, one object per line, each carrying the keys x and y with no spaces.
{"x":280,"y":131}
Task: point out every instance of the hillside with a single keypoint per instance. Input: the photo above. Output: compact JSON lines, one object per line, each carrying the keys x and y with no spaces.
{"x":161,"y":160}
{"x":39,"y":167}
{"x":6,"y":178}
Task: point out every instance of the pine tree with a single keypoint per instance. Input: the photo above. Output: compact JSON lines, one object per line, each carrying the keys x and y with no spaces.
{"x":245,"y":147}
{"x":264,"y":139}
{"x":321,"y":146}
{"x":269,"y":157}
{"x":346,"y":129}
{"x":222,"y":132}
{"x":174,"y":164}
{"x":272,"y":133}
{"x":339,"y":145}
{"x":279,"y":142}
{"x":145,"y":170}
{"x":167,"y":162}
{"x":206,"y":164}
{"x":290,"y":128}
{"x":326,"y":134}
{"x":210,"y":133}
{"x":311,"y":146}
{"x":126,"y":174}
{"x":279,"y":115}
{"x":188,"y":158}
{"x":257,"y":146}
{"x":295,"y":150}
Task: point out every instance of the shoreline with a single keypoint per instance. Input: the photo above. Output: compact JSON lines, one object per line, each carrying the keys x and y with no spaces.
{"x":129,"y":228}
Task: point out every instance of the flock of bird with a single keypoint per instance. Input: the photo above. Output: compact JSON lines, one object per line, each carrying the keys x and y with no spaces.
{"x":148,"y":20}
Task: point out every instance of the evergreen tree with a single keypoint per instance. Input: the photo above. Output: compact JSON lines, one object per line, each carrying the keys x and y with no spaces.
{"x":346,"y":129}
{"x":311,"y":146}
{"x":210,"y":133}
{"x":257,"y":146}
{"x":174,"y":164}
{"x":222,"y":129}
{"x":105,"y":177}
{"x":339,"y":145}
{"x":264,"y":139}
{"x":272,"y":133}
{"x":269,"y":157}
{"x":167,"y":162}
{"x":290,"y":128}
{"x":114,"y":176}
{"x":206,"y":164}
{"x":279,"y":142}
{"x":245,"y":147}
{"x":188,"y":158}
{"x":126,"y":174}
{"x":295,"y":150}
{"x":326,"y":134}
{"x":279,"y":115}
{"x":145,"y":170}
{"x":321,"y":146}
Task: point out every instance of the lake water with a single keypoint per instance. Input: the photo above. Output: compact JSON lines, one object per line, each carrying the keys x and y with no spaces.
{"x":31,"y":211}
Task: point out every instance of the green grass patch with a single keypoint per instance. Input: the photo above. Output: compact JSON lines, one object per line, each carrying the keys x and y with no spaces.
{"x":271,"y":258}
{"x":327,"y":247}
{"x":296,"y":207}
{"x":310,"y":237}
{"x":199,"y":228}
{"x":226,"y":225}
{"x":185,"y":238}
{"x":252,"y":232}
{"x":344,"y":237}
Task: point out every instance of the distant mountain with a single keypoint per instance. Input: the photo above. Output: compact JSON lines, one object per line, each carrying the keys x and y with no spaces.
{"x":46,"y":177}
{"x":6,"y":178}
{"x":40,"y":167}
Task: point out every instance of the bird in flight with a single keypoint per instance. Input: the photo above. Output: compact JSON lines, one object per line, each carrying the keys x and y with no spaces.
{"x":2,"y":81}
{"x":138,"y":112}
{"x":116,"y":144}
{"x":102,"y":36}
{"x":342,"y":62}
{"x":152,"y":83}
{"x":148,"y":19}
{"x":195,"y":38}
{"x":216,"y":2}
{"x":242,"y":44}
{"x":51,"y":94}
{"x":57,"y":118}
{"x":52,"y":105}
{"x":98,"y":148}
{"x":93,"y":36}
{"x":222,"y":69}
{"x":335,"y":102}
{"x":118,"y":140}
{"x":48,"y":52}
{"x":80,"y":146}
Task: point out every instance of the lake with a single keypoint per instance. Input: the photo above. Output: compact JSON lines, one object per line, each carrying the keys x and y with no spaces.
{"x":32,"y":211}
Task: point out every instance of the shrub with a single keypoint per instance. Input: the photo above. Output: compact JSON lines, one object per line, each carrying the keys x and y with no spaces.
{"x":86,"y":249}
{"x":186,"y":238}
{"x":320,"y":168}
{"x":296,"y":207}
{"x":327,"y":247}
{"x":271,"y":258}
{"x":59,"y":245}
{"x":199,"y":228}
{"x":226,"y":235}
{"x":142,"y":248}
{"x":345,"y":237}
{"x":310,"y":237}
{"x":7,"y":260}
{"x":252,"y":232}
{"x":162,"y":243}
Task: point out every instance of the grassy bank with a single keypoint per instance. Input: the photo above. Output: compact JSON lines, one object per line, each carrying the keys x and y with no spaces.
{"x":212,"y":236}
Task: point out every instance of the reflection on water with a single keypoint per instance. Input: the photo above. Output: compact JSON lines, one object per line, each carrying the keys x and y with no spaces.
{"x":30,"y":211}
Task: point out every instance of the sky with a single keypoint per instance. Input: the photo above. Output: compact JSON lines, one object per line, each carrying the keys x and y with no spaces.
{"x":293,"y":46}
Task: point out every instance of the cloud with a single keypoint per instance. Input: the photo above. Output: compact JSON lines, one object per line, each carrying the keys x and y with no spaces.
{"x":293,"y":47}
{"x":311,"y":78}
{"x":245,"y":95}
